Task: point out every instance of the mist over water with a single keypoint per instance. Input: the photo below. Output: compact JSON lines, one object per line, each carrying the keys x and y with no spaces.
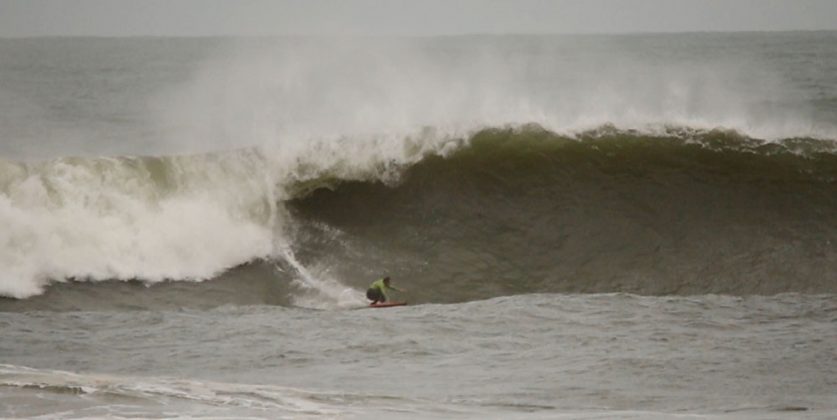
{"x":163,"y":96}
{"x":293,"y":93}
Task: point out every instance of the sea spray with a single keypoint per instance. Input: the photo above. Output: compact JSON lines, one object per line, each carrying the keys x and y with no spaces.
{"x":292,"y":92}
{"x":317,"y":287}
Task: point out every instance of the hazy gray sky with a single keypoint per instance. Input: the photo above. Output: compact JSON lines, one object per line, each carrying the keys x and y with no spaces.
{"x":405,"y":17}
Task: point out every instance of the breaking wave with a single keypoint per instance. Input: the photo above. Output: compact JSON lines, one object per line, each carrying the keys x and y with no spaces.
{"x":500,"y":211}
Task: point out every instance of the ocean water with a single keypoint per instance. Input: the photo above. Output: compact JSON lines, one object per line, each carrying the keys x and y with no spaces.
{"x":624,"y":226}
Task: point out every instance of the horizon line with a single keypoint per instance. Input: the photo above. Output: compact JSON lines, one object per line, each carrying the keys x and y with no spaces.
{"x":442,"y":35}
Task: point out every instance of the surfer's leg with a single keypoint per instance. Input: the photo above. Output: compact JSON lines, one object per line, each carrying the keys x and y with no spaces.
{"x":374,"y":295}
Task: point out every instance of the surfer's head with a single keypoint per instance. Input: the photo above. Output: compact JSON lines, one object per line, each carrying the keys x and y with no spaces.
{"x":386,"y":280}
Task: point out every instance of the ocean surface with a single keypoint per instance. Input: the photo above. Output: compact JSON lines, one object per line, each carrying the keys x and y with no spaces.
{"x":621,"y":226}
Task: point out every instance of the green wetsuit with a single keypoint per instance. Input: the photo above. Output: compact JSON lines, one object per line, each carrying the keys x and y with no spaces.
{"x":379,"y":284}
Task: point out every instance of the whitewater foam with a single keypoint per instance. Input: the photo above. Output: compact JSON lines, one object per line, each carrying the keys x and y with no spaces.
{"x":101,"y":219}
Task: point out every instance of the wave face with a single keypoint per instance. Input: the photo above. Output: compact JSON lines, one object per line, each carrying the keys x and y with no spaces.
{"x":526,"y":210}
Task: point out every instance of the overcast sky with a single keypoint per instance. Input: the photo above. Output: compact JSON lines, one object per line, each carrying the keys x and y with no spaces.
{"x":405,"y":17}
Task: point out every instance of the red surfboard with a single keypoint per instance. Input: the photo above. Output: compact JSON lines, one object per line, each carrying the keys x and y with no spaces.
{"x":386,"y":304}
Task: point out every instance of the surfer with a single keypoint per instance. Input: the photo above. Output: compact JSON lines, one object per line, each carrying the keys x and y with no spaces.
{"x":377,"y":291}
